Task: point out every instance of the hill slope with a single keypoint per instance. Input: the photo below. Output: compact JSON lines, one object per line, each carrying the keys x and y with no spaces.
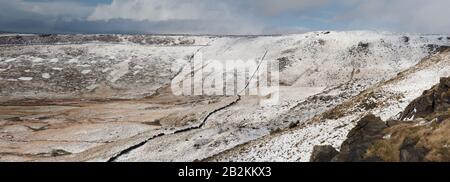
{"x":108,"y":98}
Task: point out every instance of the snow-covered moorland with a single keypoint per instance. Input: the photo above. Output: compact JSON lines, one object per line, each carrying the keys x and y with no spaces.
{"x":108,"y":97}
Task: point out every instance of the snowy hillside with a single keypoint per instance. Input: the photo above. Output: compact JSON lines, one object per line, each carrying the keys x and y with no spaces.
{"x":108,"y":97}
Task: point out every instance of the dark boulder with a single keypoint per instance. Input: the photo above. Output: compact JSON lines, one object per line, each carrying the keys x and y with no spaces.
{"x":409,"y":152}
{"x":360,"y":138}
{"x":324,"y":153}
{"x":405,"y":39}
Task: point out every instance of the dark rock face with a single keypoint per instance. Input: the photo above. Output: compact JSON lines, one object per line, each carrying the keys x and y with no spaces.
{"x":409,"y":152}
{"x":324,"y":153}
{"x":284,"y":63}
{"x":363,"y":48}
{"x":435,"y":100}
{"x":433,"y":48}
{"x":405,"y":39}
{"x":391,"y":123}
{"x":360,"y":138}
{"x":422,"y":133}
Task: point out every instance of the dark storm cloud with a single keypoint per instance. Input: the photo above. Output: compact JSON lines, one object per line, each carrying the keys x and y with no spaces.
{"x":222,"y":16}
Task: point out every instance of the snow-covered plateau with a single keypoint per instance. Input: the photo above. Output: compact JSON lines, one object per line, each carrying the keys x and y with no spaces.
{"x":109,"y":97}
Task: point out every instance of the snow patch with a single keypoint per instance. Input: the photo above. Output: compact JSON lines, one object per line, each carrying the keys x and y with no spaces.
{"x":74,"y":60}
{"x":84,"y":65}
{"x":84,"y":72}
{"x":54,"y":60}
{"x":106,"y":70}
{"x":120,"y":70}
{"x":26,"y":78}
{"x":37,"y":60}
{"x":45,"y":75}
{"x":10,"y":60}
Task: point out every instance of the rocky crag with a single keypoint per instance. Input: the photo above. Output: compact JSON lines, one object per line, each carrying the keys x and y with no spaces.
{"x":422,"y":133}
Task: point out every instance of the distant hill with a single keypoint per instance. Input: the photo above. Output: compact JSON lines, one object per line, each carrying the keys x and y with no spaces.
{"x":4,"y":32}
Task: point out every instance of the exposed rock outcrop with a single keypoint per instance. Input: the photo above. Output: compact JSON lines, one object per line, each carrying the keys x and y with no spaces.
{"x":367,"y":131}
{"x":435,"y":100}
{"x":323,"y":153}
{"x":421,"y":134}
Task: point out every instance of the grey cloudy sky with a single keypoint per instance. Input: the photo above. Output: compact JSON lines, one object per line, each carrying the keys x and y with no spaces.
{"x":222,"y":16}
